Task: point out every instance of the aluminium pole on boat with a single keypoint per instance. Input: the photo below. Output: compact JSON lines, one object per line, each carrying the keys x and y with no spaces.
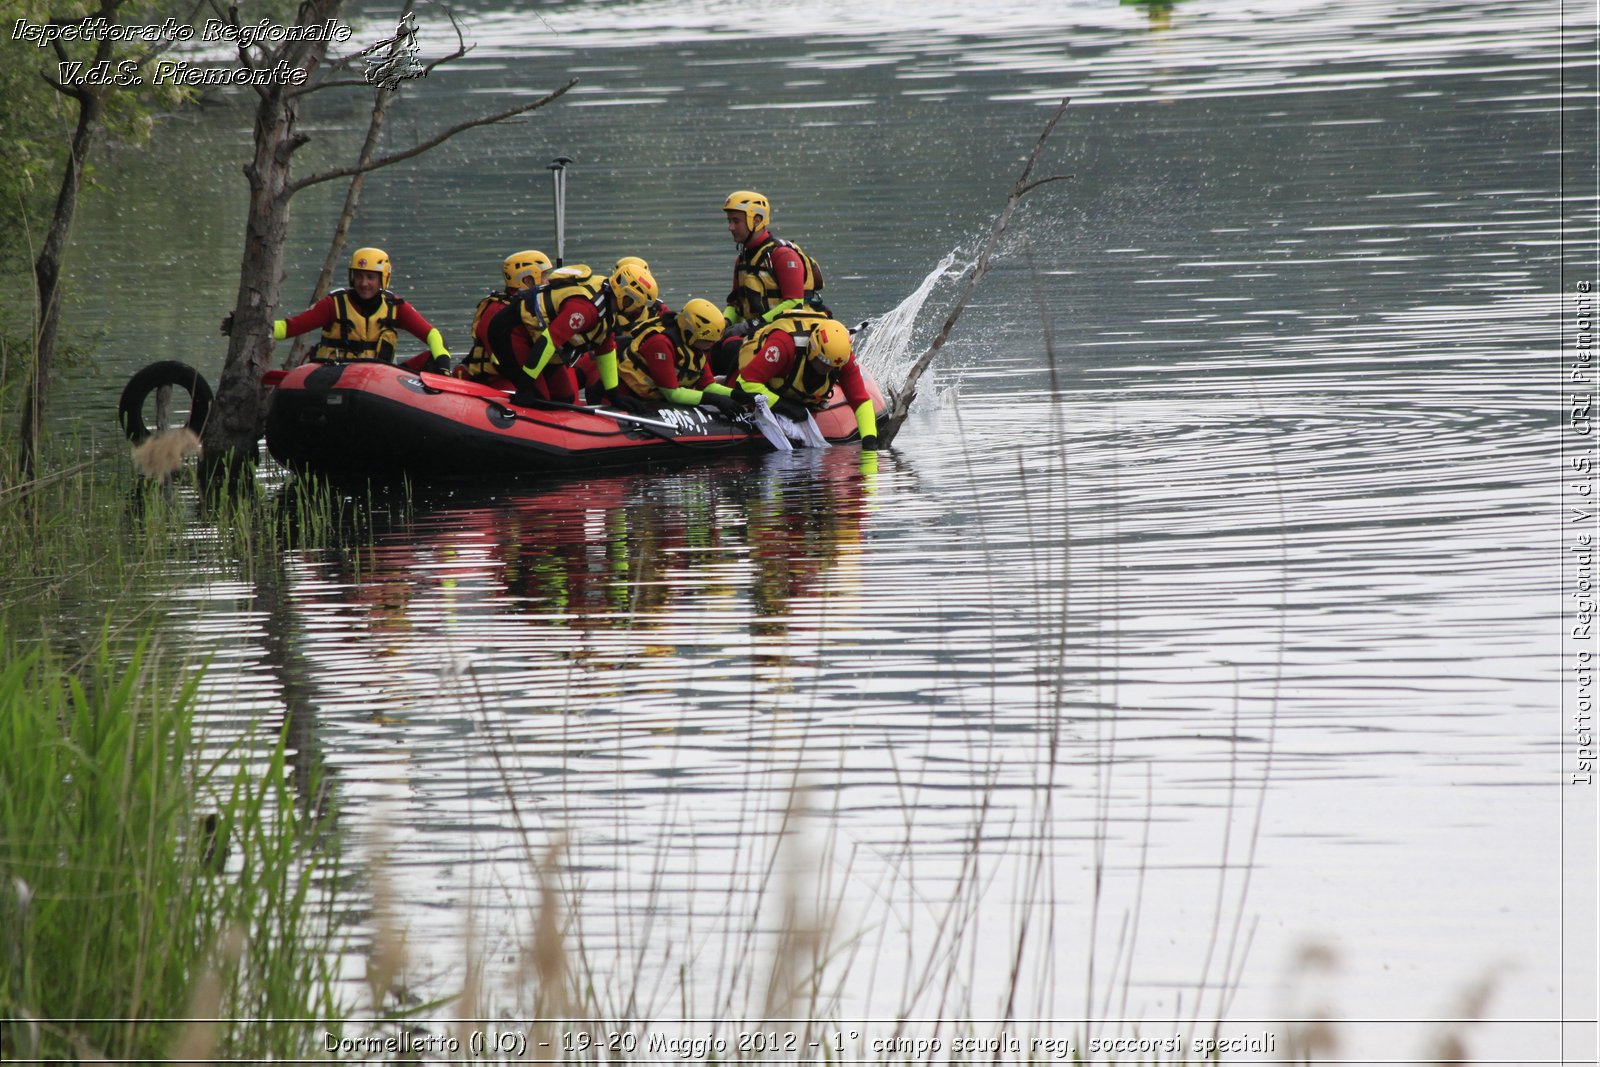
{"x":558,"y":176}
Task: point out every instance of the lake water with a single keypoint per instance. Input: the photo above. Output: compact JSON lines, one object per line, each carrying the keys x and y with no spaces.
{"x":1206,"y":632}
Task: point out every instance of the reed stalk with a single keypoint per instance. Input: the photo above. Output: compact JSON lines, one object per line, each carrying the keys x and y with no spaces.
{"x":147,"y":876}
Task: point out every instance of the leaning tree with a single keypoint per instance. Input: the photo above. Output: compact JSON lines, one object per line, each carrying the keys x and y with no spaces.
{"x":234,"y":427}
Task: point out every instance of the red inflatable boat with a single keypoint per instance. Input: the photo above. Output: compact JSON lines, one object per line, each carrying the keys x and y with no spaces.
{"x":367,"y":419}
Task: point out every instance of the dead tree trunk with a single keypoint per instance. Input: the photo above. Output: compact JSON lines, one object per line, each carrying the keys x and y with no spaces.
{"x":231,"y":434}
{"x":47,"y":276}
{"x":229,"y":440}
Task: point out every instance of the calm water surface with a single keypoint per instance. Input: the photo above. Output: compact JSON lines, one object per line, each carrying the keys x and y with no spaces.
{"x":1206,"y":609}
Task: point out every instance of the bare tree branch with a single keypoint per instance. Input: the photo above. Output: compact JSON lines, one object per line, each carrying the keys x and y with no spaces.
{"x":352,"y":200}
{"x":462,"y":48}
{"x":900,"y":402}
{"x":1031,"y":186}
{"x":424,"y":146}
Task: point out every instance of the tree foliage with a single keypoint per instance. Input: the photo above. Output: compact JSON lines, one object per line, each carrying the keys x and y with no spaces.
{"x":64,"y":93}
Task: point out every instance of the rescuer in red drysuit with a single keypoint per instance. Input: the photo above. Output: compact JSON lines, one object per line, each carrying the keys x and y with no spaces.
{"x":795,"y":363}
{"x":362,"y":321}
{"x":771,"y":276}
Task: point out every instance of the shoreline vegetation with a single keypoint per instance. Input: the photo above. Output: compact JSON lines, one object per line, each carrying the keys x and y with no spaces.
{"x":147,"y":879}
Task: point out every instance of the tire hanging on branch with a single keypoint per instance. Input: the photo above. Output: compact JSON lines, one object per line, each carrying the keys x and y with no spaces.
{"x":164,"y":374}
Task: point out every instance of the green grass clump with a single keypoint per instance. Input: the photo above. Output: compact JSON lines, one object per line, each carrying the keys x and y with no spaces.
{"x":144,"y":881}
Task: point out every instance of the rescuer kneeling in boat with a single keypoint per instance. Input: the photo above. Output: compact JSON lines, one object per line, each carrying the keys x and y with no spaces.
{"x":795,"y":363}
{"x":658,"y":308}
{"x":665,"y":360}
{"x":586,"y":370}
{"x":771,"y":277}
{"x":362,"y":322}
{"x":522,"y":270}
{"x":545,"y":330}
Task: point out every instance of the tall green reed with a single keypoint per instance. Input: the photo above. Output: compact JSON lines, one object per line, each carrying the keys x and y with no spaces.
{"x":146,"y":879}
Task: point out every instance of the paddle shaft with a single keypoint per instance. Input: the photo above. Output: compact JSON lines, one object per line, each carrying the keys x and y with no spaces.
{"x":441,"y":384}
{"x":620,"y":416}
{"x":558,"y":176}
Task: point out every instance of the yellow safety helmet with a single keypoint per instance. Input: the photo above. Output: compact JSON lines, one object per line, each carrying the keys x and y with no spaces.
{"x":830,"y":342}
{"x":753,"y":206}
{"x":626,"y":260}
{"x":701,"y":322}
{"x":523,"y":269}
{"x":634,"y":289}
{"x":370,"y":259}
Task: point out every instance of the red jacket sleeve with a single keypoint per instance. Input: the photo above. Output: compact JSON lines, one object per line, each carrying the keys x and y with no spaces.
{"x":789,"y":272}
{"x":575,"y":315}
{"x":411,"y":321}
{"x":316,"y":317}
{"x":774,"y":359}
{"x":850,"y":380}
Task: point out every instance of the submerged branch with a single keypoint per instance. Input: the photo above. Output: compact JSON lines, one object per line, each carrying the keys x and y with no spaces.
{"x":900,"y":401}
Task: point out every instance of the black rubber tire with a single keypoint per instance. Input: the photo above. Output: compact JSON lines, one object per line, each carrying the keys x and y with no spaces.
{"x":130,"y":409}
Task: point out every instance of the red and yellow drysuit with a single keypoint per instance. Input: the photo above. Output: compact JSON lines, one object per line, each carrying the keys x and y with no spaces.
{"x":353,"y":328}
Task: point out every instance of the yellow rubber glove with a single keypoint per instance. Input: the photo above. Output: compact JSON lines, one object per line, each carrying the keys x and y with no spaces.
{"x":757,"y":389}
{"x":606,"y":363}
{"x":436,"y":346}
{"x":781,"y":309}
{"x":867,"y":423}
{"x":536,"y":364}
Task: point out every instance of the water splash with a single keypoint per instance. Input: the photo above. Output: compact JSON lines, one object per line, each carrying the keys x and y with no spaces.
{"x":886,"y":348}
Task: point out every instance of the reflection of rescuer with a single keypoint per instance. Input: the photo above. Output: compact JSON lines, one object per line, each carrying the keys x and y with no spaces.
{"x":574,"y":312}
{"x":522,"y":270}
{"x":771,"y":276}
{"x":795,"y":363}
{"x":665,"y":360}
{"x":362,"y":322}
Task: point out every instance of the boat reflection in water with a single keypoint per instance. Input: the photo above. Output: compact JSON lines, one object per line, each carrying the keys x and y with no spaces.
{"x":554,"y":598}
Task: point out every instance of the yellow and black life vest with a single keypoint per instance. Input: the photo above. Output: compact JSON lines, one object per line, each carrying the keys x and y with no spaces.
{"x":480,"y":364}
{"x":755,"y":286}
{"x":802,"y":383}
{"x":538,"y":306}
{"x":352,"y":335}
{"x":631,"y":367}
{"x":624,"y":330}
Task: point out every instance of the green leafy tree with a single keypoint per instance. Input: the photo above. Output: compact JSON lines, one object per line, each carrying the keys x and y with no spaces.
{"x":70,"y":81}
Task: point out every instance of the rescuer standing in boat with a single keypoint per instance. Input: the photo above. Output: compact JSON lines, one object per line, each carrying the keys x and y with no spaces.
{"x":795,"y":363}
{"x":522,"y":270}
{"x":573,"y":313}
{"x":665,"y":359}
{"x":362,"y":322}
{"x":771,"y":277}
